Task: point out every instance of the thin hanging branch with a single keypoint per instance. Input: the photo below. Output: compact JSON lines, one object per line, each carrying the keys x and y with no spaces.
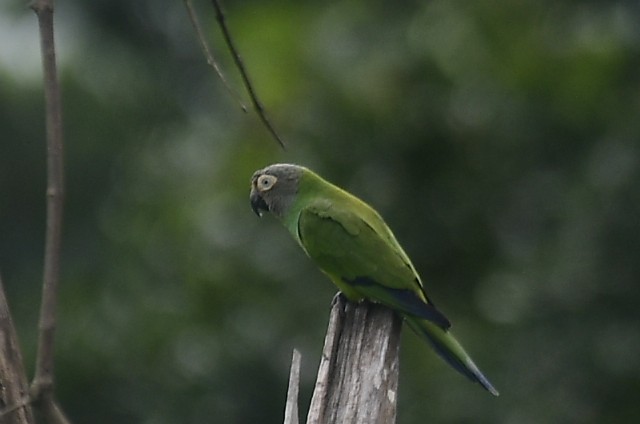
{"x":211,"y":61}
{"x":257,"y":105}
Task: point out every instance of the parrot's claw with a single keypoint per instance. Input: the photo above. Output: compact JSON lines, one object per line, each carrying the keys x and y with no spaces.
{"x":338,"y":298}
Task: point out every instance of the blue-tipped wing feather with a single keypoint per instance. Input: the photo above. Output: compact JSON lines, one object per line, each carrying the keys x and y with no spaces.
{"x":404,"y":300}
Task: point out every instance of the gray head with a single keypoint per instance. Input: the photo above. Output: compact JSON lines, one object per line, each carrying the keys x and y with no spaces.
{"x":274,"y":188}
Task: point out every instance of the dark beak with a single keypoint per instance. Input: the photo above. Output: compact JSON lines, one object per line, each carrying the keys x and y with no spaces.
{"x":257,"y":203}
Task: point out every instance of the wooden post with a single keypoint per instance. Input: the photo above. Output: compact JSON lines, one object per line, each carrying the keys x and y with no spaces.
{"x":357,"y":379}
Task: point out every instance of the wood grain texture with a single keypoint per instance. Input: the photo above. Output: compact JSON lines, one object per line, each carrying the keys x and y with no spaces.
{"x":291,"y":408}
{"x":358,"y":374}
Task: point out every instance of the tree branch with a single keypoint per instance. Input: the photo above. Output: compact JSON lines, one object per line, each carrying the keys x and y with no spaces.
{"x":358,"y":373}
{"x":257,"y":105}
{"x":14,"y":405}
{"x":41,"y":392}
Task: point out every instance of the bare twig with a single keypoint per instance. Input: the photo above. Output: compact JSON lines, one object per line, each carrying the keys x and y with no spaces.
{"x":14,"y":402}
{"x":358,"y":374}
{"x":291,"y":408}
{"x":257,"y":105}
{"x":41,"y":391}
{"x":54,"y":414}
{"x":211,"y":61}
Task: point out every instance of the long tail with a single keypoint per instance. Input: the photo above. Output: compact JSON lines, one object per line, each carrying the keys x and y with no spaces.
{"x":450,"y":350}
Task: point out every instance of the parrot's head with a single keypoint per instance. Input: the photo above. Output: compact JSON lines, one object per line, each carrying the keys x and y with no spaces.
{"x":274,"y":188}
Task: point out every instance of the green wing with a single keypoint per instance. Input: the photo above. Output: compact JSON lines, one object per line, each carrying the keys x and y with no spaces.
{"x":361,"y":261}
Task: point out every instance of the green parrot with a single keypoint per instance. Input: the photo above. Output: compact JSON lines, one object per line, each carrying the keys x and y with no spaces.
{"x":355,"y":248}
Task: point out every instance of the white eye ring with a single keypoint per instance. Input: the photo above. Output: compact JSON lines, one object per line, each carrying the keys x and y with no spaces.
{"x":265,"y":182}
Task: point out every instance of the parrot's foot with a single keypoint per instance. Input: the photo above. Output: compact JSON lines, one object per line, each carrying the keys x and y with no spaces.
{"x":338,"y":298}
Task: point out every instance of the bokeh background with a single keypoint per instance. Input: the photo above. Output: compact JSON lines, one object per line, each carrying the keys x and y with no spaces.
{"x":500,"y":140}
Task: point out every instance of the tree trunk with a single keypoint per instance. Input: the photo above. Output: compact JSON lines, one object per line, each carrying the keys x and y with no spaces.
{"x":14,"y":407}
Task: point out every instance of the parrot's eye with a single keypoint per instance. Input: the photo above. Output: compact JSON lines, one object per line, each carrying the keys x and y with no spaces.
{"x":265,"y":182}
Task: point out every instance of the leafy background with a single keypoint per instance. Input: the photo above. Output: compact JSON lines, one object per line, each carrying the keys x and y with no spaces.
{"x":500,"y":140}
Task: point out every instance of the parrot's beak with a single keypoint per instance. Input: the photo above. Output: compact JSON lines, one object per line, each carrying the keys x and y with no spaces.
{"x":257,"y":203}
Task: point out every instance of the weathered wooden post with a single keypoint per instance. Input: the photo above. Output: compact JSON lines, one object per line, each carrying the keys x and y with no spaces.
{"x":358,"y":374}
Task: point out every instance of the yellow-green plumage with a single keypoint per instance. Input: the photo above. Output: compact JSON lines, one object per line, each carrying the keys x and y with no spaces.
{"x":351,"y":243}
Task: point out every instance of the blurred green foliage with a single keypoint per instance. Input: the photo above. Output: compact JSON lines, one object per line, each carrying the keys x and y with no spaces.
{"x":499,"y":140}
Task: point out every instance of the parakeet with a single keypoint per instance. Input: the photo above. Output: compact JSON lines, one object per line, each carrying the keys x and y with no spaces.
{"x":354,"y":247}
